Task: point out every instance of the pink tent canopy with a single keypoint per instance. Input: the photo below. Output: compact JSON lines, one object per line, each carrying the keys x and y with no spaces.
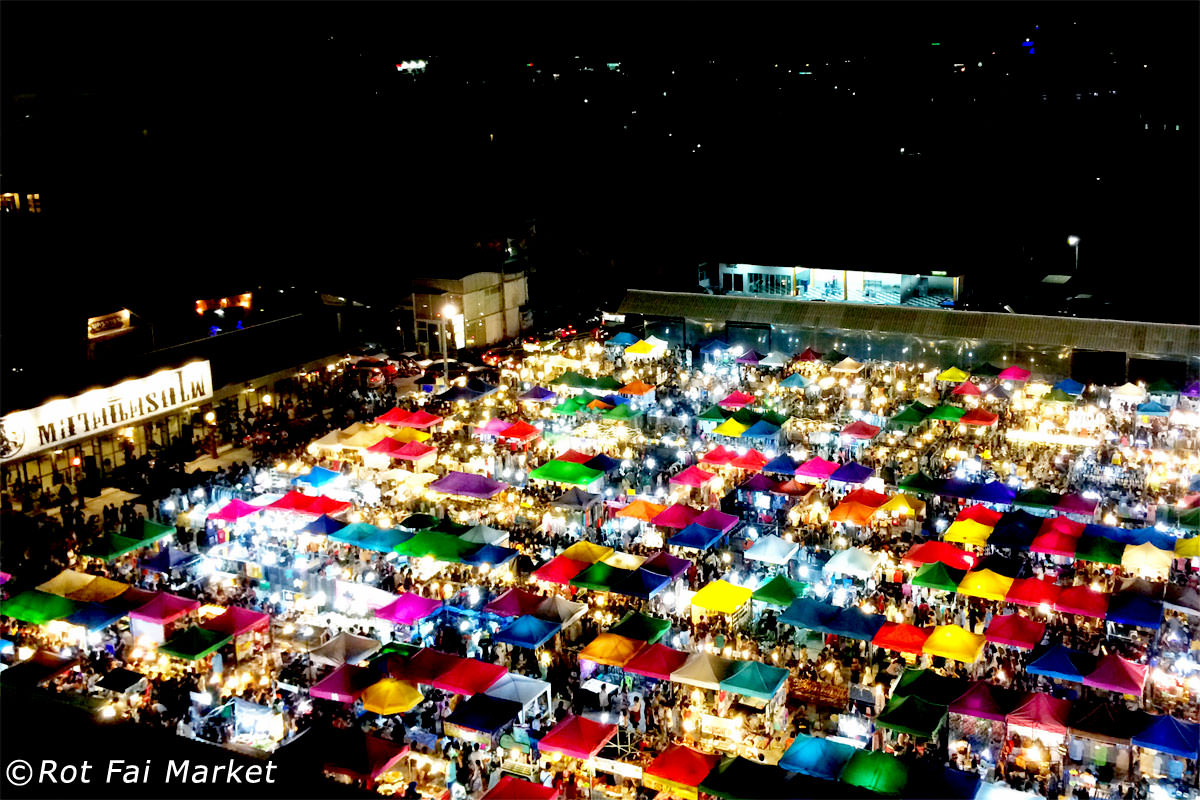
{"x":693,"y":476}
{"x":716,"y":520}
{"x":164,"y":608}
{"x":817,"y":468}
{"x":421,"y":419}
{"x":677,"y":516}
{"x":967,"y":388}
{"x":980,"y":702}
{"x":1083,"y":601}
{"x":394,"y":417}
{"x":234,"y":510}
{"x":577,"y":737}
{"x":346,"y":683}
{"x":236,"y":621}
{"x":408,"y":608}
{"x":413,"y":451}
{"x":1118,"y":675}
{"x":493,"y":427}
{"x":860,"y":430}
{"x":1041,"y":712}
{"x":751,"y":459}
{"x":1061,"y":524}
{"x":736,"y":400}
{"x":1014,"y":374}
{"x":1054,"y":543}
{"x":719,"y":455}
{"x":1015,"y":630}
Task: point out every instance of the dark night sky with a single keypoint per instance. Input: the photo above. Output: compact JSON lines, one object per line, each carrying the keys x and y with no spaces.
{"x":182,"y":145}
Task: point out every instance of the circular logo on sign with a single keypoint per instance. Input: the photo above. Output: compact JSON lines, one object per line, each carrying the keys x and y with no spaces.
{"x":10,"y":442}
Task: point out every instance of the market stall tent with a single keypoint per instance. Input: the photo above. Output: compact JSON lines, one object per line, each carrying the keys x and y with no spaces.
{"x":1015,"y":630}
{"x":816,"y":756}
{"x":937,"y":575}
{"x":951,"y":641}
{"x":755,"y":679}
{"x":1063,"y":663}
{"x":510,"y":787}
{"x":780,"y":591}
{"x":656,"y":661}
{"x":738,"y":778}
{"x":345,"y":648}
{"x":854,"y":561}
{"x":1117,"y":674}
{"x":1169,"y":735}
{"x":1083,"y":601}
{"x":66,"y":582}
{"x":1033,"y":592}
{"x":986,"y":700}
{"x":913,"y":716}
{"x":577,"y":737}
{"x":901,"y":638}
{"x":641,"y":627}
{"x":37,"y":608}
{"x":704,"y":670}
{"x":345,"y":684}
{"x":679,"y":770}
{"x":408,"y":609}
{"x":986,"y":584}
{"x":934,"y":552}
{"x":721,"y":597}
{"x":193,"y":643}
{"x":772,"y":549}
{"x":235,"y":621}
{"x":876,"y":771}
{"x":677,"y":516}
{"x":1041,"y":712}
{"x":390,"y":696}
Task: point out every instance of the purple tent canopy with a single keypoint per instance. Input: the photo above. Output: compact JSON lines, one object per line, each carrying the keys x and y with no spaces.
{"x":852,"y":472}
{"x":408,"y":608}
{"x":985,"y":701}
{"x":994,"y":492}
{"x":468,"y":485}
{"x":538,"y":395}
{"x":1191,"y":390}
{"x":666,"y":564}
{"x":955,"y":487}
{"x":1074,"y":504}
{"x":717,"y":520}
{"x":759,"y":483}
{"x":750,"y":357}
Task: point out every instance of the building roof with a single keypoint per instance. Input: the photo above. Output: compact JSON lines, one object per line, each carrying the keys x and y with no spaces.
{"x":1141,"y":338}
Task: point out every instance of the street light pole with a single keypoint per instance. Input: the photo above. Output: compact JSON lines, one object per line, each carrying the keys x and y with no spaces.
{"x":1074,"y":242}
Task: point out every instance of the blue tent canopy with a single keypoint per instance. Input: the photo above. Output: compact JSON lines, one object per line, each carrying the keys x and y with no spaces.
{"x":323,"y":524}
{"x":755,"y":679}
{"x":795,"y":381}
{"x":538,"y":394}
{"x":817,"y":757}
{"x":642,"y":583}
{"x":602,"y":462}
{"x":319,"y":476}
{"x":1000,"y":392}
{"x":781,"y":465}
{"x":528,"y":631}
{"x":624,"y":338}
{"x":1132,"y":608}
{"x":994,"y":492}
{"x":1069,"y":386}
{"x":804,"y":612}
{"x":1163,"y":541}
{"x":1063,"y":663}
{"x":484,"y":713}
{"x":938,"y":782}
{"x":854,"y":623}
{"x":713,"y":346}
{"x":1015,"y":530}
{"x":1153,"y":409}
{"x":168,"y":559}
{"x":1169,"y":735}
{"x":481,"y":386}
{"x":697,"y":537}
{"x":96,"y":616}
{"x":954,"y":487}
{"x":852,"y":472}
{"x":456,"y":393}
{"x":490,"y":554}
{"x":761,"y":430}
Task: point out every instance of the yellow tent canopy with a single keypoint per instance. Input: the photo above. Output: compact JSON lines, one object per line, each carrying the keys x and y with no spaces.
{"x":640,"y":509}
{"x":640,"y":348}
{"x":99,"y":590}
{"x":66,"y":582}
{"x":611,"y":650}
{"x":905,"y":504}
{"x":1187,"y":548}
{"x":586,"y":551}
{"x":951,"y":641}
{"x":391,"y":696}
{"x":731,"y":427}
{"x":986,"y":584}
{"x":367,"y":435}
{"x":968,"y":531}
{"x":722,"y":597}
{"x":623,"y":560}
{"x":407,"y":435}
{"x":1147,"y":561}
{"x":953,"y":374}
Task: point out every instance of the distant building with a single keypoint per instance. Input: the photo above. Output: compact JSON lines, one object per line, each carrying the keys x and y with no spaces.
{"x":929,"y":290}
{"x":486,"y":308}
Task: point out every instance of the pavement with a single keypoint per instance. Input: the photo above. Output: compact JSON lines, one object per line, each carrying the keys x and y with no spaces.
{"x":226,"y":456}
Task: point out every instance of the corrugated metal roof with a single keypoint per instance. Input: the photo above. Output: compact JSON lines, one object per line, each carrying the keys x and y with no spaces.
{"x":1134,"y":338}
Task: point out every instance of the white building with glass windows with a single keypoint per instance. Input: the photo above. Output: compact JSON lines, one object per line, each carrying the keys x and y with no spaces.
{"x":841,"y":285}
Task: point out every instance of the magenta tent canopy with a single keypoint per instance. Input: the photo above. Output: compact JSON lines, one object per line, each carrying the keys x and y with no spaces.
{"x":693,"y":476}
{"x":408,"y":608}
{"x":677,"y":516}
{"x":234,"y":510}
{"x":1117,"y":674}
{"x":514,"y":603}
{"x":664,"y":563}
{"x":1041,"y":712}
{"x":345,"y":683}
{"x":716,"y":520}
{"x":466,"y":484}
{"x":816,"y":468}
{"x":1074,"y":504}
{"x":1014,"y":374}
{"x":236,"y":621}
{"x":984,"y":701}
{"x":494,"y":426}
{"x":164,"y":608}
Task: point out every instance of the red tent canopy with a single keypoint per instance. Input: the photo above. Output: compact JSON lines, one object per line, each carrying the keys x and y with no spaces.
{"x":866,"y":497}
{"x":902,"y":638}
{"x":794,"y":488}
{"x":1041,"y":712}
{"x":718,"y":456}
{"x":932,"y":552}
{"x":387,"y":446}
{"x":394,"y":417}
{"x":981,"y":514}
{"x":236,"y":621}
{"x":306,"y":504}
{"x":1118,"y":675}
{"x":1063,"y":525}
{"x":234,"y":510}
{"x":559,"y":569}
{"x":693,"y":476}
{"x":421,"y":419}
{"x":165,"y":608}
{"x":520,"y":431}
{"x":1083,"y":601}
{"x":424,"y":667}
{"x":677,"y":516}
{"x":577,"y":737}
{"x":511,"y":788}
{"x":469,"y":676}
{"x":1033,"y":592}
{"x":860,"y":430}
{"x":1016,"y":631}
{"x":574,"y":456}
{"x":1054,"y":543}
{"x":809,"y":355}
{"x":979,"y":416}
{"x":683,"y":765}
{"x":414,"y":450}
{"x":752,"y":459}
{"x":656,"y":661}
{"x":736,"y":400}
{"x":967,"y":388}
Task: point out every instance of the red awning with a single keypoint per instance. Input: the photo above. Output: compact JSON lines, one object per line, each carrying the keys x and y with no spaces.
{"x":932,"y":552}
{"x":981,"y":514}
{"x":577,"y":737}
{"x":559,"y":570}
{"x":1016,"y":631}
{"x":901,"y":638}
{"x":979,"y":416}
{"x":1083,"y":601}
{"x":752,"y":459}
{"x":656,"y":661}
{"x":1033,"y":592}
{"x":860,"y":430}
{"x":683,"y":765}
{"x":719,"y":456}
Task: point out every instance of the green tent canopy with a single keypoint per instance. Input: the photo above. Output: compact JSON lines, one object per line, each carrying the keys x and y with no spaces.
{"x":570,"y":406}
{"x":715,"y":413}
{"x":607,"y":382}
{"x":574,"y":380}
{"x":946,"y":413}
{"x":1162,"y":386}
{"x":911,"y":415}
{"x":985,"y":370}
{"x":755,"y":679}
{"x":780,"y":591}
{"x":919,"y":482}
{"x":875,"y":770}
{"x":746,"y":416}
{"x":194,"y":643}
{"x":938,"y":576}
{"x":775,"y":418}
{"x":600,"y":577}
{"x":621,"y":412}
{"x":913,"y":716}
{"x":148,"y":531}
{"x":37,"y":608}
{"x":1099,"y":549}
{"x":641,"y":627}
{"x":438,"y":546}
{"x":1037,"y":498}
{"x":111,"y":546}
{"x":567,"y":472}
{"x":1058,"y":396}
{"x":1189,"y":519}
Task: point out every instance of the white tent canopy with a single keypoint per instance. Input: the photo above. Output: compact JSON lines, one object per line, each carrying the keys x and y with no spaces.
{"x":520,"y":689}
{"x":855,"y":562}
{"x":482,"y":534}
{"x":848,"y":364}
{"x":561,"y":609}
{"x":345,"y":648}
{"x":773,"y":550}
{"x":703,"y":670}
{"x":1130,"y":391}
{"x":773,"y":359}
